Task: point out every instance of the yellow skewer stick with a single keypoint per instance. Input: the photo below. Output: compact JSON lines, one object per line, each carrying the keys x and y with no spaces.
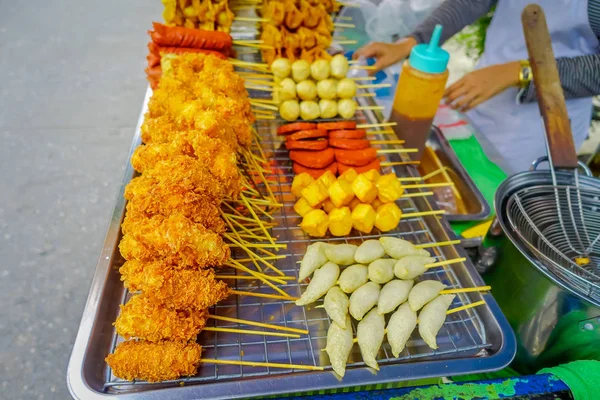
{"x":265,"y":106}
{"x":396,"y":151}
{"x":365,"y":67}
{"x":264,"y":101}
{"x":242,"y":267}
{"x":260,"y":89}
{"x":377,"y":125}
{"x":382,"y":132}
{"x":423,"y":213}
{"x":370,"y":107}
{"x":254,"y":41}
{"x":467,"y":290}
{"x":364,"y":78}
{"x":366,"y":95}
{"x":427,"y":185}
{"x":263,"y":295}
{"x":250,"y":332}
{"x":428,"y":245}
{"x":345,"y":42}
{"x":249,"y":278}
{"x":259,"y":324}
{"x":374,"y":86}
{"x":251,"y":19}
{"x":265,"y":117}
{"x":343,"y":25}
{"x":419,"y":194}
{"x":261,"y":364}
{"x":465,"y":307}
{"x":445,"y":262}
{"x":410,"y":179}
{"x":387,"y":142}
{"x":393,"y":163}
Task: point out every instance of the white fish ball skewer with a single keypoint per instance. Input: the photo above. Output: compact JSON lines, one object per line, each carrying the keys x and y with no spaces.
{"x":398,"y":248}
{"x":339,"y":346}
{"x":432,"y":317}
{"x":392,"y":295}
{"x":370,"y":333}
{"x":341,"y":254}
{"x":410,"y":267}
{"x":323,"y":280}
{"x":382,"y":270}
{"x":399,"y":328}
{"x":336,"y":305}
{"x":363,"y":299}
{"x":423,"y":293}
{"x":353,"y":277}
{"x":313,"y":258}
{"x":369,"y":251}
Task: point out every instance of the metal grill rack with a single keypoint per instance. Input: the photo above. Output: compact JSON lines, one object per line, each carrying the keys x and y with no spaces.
{"x":462,"y":336}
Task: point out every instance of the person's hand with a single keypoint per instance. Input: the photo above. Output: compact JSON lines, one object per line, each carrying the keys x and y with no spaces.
{"x":478,"y":86}
{"x":386,"y":54}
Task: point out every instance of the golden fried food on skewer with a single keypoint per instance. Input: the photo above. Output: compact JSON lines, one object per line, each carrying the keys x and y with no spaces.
{"x":175,"y":239}
{"x":143,"y":319}
{"x":155,"y":362}
{"x":166,"y":284}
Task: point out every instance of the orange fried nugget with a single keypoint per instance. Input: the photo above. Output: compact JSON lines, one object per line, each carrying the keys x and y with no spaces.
{"x":176,"y":288}
{"x":155,"y":362}
{"x":144,"y":319}
{"x":176,"y":239}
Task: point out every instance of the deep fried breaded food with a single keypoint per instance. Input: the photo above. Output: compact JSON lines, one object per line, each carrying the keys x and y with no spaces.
{"x":176,"y":288}
{"x":176,"y":239}
{"x":154,"y":362}
{"x":144,"y":319}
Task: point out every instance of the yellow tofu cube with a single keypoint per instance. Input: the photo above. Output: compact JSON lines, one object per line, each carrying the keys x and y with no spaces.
{"x":302,"y":207}
{"x":354,"y":203}
{"x":300,"y":182}
{"x":315,"y":193}
{"x":372,"y":175}
{"x":389,"y":188}
{"x":350,"y":175}
{"x":327,"y":178}
{"x":328,"y":206}
{"x":341,"y":193}
{"x":315,"y":223}
{"x":388,"y":217}
{"x":340,"y":221}
{"x":363,"y":218}
{"x":364,"y":189}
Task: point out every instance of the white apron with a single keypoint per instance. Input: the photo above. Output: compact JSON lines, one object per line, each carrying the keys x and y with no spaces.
{"x":511,"y":134}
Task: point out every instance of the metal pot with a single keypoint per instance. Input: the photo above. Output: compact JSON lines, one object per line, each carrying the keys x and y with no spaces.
{"x":554,"y":322}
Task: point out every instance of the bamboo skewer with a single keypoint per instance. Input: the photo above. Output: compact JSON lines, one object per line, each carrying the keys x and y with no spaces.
{"x":251,"y":19}
{"x":343,"y":25}
{"x":377,"y":125}
{"x":345,"y":42}
{"x":259,"y":324}
{"x":374,"y":86}
{"x":423,"y":213}
{"x":363,"y":78}
{"x":445,"y":262}
{"x":261,"y":364}
{"x":387,"y":141}
{"x":242,"y":267}
{"x":370,"y":107}
{"x":263,"y":295}
{"x":427,"y":185}
{"x":396,"y":151}
{"x":263,"y":105}
{"x":382,"y":132}
{"x":466,"y":290}
{"x":393,"y":163}
{"x":465,"y":307}
{"x":428,"y":245}
{"x":250,"y":332}
{"x":250,"y":278}
{"x":419,"y":194}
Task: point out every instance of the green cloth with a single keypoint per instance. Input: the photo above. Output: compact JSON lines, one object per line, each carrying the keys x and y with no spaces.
{"x":486,"y":175}
{"x":582,"y":377}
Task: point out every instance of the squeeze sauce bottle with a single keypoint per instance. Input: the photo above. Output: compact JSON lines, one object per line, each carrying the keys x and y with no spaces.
{"x":419,"y":91}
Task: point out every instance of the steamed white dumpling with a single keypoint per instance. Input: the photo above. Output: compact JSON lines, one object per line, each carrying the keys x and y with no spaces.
{"x":323,"y":279}
{"x":341,"y":254}
{"x":369,"y":251}
{"x":399,"y":328}
{"x":392,"y":295}
{"x":363,"y":299}
{"x":353,"y":277}
{"x":432,"y":318}
{"x":339,"y":346}
{"x":313,"y":258}
{"x":369,"y":334}
{"x":410,"y":267}
{"x":336,"y":305}
{"x":382,"y":270}
{"x":423,"y":293}
{"x":398,"y":248}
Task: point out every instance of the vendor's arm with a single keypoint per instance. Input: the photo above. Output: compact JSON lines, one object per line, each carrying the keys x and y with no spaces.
{"x":579,"y":77}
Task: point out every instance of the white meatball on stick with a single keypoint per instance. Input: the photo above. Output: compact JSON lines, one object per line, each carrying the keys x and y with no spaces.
{"x":323,"y":279}
{"x":341,"y":254}
{"x":382,"y":271}
{"x":369,"y":334}
{"x":369,"y":251}
{"x":432,"y":317}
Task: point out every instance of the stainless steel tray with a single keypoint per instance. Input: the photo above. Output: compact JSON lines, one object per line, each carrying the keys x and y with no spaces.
{"x":474,"y":340}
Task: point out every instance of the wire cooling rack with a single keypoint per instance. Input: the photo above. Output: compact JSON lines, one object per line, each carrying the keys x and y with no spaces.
{"x":462,"y":336}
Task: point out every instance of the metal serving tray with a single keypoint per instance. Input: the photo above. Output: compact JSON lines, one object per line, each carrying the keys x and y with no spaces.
{"x":474,"y":340}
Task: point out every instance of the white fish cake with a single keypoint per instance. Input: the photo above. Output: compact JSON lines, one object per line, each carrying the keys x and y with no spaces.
{"x":341,"y":254}
{"x":398,"y":248}
{"x":336,"y":305}
{"x":382,"y":271}
{"x":353,"y":277}
{"x":323,"y":280}
{"x":369,"y":251}
{"x":339,"y":346}
{"x":432,"y":317}
{"x":369,"y":334}
{"x":423,"y":293}
{"x":410,"y":267}
{"x":399,"y":328}
{"x":392,"y":295}
{"x":313,"y":258}
{"x":363,"y":299}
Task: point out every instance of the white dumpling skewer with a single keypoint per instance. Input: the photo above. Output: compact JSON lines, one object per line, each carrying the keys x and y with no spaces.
{"x":382,"y":271}
{"x":363,"y":299}
{"x":399,"y":328}
{"x":336,"y":305}
{"x":432,"y":317}
{"x":341,"y":254}
{"x":324,"y":279}
{"x":410,"y":267}
{"x":313,"y":258}
{"x":369,"y":334}
{"x":339,"y":346}
{"x":353,"y":277}
{"x":398,"y":248}
{"x":369,"y":251}
{"x":392,"y":295}
{"x":423,"y":293}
